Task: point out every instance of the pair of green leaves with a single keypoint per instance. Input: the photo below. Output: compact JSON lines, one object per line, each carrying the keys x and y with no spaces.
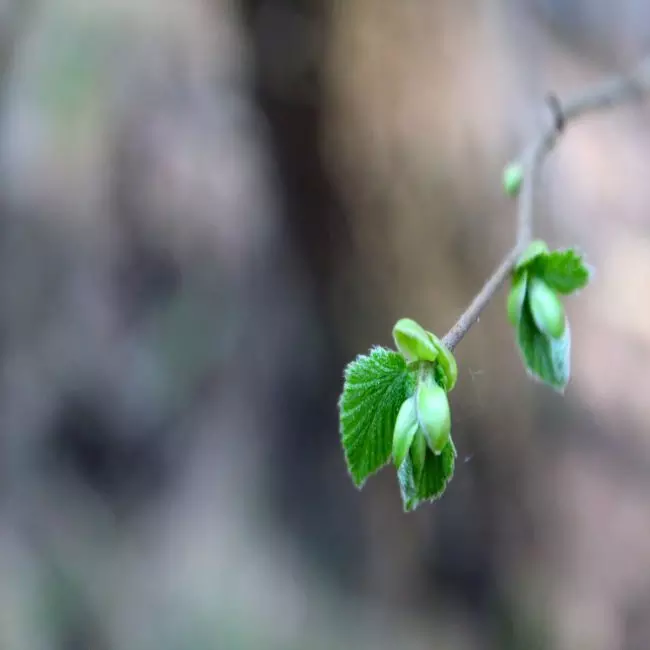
{"x":537,"y":313}
{"x":394,"y":404}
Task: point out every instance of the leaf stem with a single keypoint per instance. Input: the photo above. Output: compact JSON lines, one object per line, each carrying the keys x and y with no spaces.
{"x":610,"y":93}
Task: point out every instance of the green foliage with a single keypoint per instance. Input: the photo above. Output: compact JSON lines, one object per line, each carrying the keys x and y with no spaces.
{"x":517,"y":296}
{"x":546,"y":309}
{"x":433,"y":414}
{"x":446,"y":364}
{"x":430,"y":482}
{"x":413,"y":341}
{"x":545,"y":357}
{"x":418,"y":452}
{"x":395,"y":403}
{"x":536,"y":311}
{"x":406,"y":427}
{"x":564,"y":271}
{"x":375,"y":387}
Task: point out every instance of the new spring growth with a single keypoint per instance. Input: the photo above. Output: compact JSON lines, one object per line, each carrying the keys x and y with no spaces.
{"x":395,"y":404}
{"x":546,"y":309}
{"x":424,"y":419}
{"x":536,"y":310}
{"x":406,"y":426}
{"x":433,"y":414}
{"x":531,"y":291}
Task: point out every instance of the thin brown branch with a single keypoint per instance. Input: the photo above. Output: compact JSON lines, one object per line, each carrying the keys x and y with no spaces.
{"x":607,"y":94}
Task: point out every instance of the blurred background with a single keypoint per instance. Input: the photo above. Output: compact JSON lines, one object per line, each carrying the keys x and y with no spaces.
{"x":207,"y":208}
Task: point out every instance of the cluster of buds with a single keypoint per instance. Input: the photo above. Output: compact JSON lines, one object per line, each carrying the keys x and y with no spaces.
{"x":424,"y":420}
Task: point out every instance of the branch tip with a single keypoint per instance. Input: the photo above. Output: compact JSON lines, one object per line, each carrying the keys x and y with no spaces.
{"x":608,"y":94}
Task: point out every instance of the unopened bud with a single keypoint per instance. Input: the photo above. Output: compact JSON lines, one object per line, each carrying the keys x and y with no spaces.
{"x":406,"y":427}
{"x":546,"y":308}
{"x":418,"y":453}
{"x":445,"y":361}
{"x":413,"y":341}
{"x":433,"y":414}
{"x":516,"y":298}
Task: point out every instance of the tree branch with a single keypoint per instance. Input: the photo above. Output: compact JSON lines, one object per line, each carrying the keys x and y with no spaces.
{"x":607,"y":94}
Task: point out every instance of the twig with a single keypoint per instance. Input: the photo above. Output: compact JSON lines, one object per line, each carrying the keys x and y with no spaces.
{"x":608,"y":94}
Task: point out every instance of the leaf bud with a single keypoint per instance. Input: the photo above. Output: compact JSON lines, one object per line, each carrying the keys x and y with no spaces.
{"x":418,"y":453}
{"x":413,"y":341}
{"x":406,"y":427}
{"x":433,"y":414}
{"x":546,"y":308}
{"x":516,"y":297}
{"x":446,"y":361}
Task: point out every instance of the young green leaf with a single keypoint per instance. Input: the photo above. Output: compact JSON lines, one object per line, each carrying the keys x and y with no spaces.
{"x":406,"y":427}
{"x":546,"y":358}
{"x":375,"y":388}
{"x":564,"y":271}
{"x":431,"y":483}
{"x":413,"y":341}
{"x":446,"y":361}
{"x":546,"y":308}
{"x":418,"y":452}
{"x":433,"y":414}
{"x":517,"y":296}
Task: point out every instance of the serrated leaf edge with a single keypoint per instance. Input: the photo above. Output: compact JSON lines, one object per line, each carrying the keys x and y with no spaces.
{"x":347,"y":371}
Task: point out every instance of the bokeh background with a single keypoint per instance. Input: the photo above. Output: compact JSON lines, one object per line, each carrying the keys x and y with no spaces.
{"x":207,"y":208}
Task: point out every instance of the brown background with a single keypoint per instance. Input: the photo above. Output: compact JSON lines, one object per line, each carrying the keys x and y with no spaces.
{"x":206,"y":209}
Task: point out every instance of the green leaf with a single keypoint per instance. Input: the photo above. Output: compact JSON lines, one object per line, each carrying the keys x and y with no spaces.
{"x":375,"y":388}
{"x":433,"y":480}
{"x":517,"y":296}
{"x":446,"y":361}
{"x":413,"y":341}
{"x":418,"y":453}
{"x":546,"y":308}
{"x":406,"y":427}
{"x":433,"y":413}
{"x":546,"y":358}
{"x":563,"y":271}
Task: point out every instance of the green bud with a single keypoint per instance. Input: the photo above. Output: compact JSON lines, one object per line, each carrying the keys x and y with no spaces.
{"x":418,"y":453}
{"x":513,"y":175}
{"x":433,"y":414}
{"x":546,"y":308}
{"x":406,"y":427}
{"x":413,"y":341}
{"x":534,"y":250}
{"x":446,"y":361}
{"x":516,"y":297}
